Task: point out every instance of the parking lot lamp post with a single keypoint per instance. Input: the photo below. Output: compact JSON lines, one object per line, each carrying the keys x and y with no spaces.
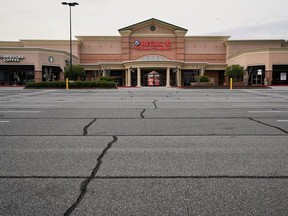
{"x":70,"y":4}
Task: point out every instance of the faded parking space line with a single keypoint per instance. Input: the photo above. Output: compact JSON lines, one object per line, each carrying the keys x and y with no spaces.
{"x":29,"y":105}
{"x":19,"y":111}
{"x":268,"y":111}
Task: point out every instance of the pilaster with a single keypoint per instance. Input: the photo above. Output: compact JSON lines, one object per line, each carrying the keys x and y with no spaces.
{"x":125,"y":45}
{"x":38,"y":75}
{"x":61,"y":76}
{"x":180,"y":45}
{"x":268,"y":77}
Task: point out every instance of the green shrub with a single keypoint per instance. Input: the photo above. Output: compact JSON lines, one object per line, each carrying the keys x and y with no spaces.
{"x":235,"y":71}
{"x":106,"y":78}
{"x":77,"y":71}
{"x":54,"y":84}
{"x":75,"y":84}
{"x":204,"y":79}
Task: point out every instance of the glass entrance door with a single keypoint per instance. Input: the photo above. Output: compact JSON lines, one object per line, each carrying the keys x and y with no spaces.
{"x":154,"y":78}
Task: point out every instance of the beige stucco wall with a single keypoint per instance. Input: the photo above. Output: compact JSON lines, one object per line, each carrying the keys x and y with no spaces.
{"x":267,"y":57}
{"x":236,"y":46}
{"x":37,"y":57}
{"x":205,"y":49}
{"x":100,"y":45}
{"x":95,"y":49}
{"x":63,"y":45}
{"x":205,"y":45}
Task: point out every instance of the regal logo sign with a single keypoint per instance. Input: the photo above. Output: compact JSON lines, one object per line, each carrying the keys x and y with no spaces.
{"x":9,"y":58}
{"x":152,"y":45}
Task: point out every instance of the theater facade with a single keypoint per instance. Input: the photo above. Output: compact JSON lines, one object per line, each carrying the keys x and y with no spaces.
{"x":149,"y":53}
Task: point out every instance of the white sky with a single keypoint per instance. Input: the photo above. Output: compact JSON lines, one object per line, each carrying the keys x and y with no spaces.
{"x":49,"y":19}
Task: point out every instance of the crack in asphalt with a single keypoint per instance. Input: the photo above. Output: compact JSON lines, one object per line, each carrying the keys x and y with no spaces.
{"x":154,"y":102}
{"x":85,"y":183}
{"x":269,"y":125}
{"x":141,"y":114}
{"x":85,"y":129}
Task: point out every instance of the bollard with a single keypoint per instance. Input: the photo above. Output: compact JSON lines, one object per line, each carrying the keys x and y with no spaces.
{"x":231,"y":84}
{"x":67,"y":84}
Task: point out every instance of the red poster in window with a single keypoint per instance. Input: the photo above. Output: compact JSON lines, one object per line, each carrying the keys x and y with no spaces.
{"x":150,"y":80}
{"x":156,"y":80}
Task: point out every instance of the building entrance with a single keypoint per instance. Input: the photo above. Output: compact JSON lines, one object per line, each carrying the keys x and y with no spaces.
{"x":153,"y":78}
{"x":256,"y":75}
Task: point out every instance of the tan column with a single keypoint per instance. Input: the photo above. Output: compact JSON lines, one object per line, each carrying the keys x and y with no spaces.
{"x":168,"y":77}
{"x":178,"y":77}
{"x":38,"y":75}
{"x":129,"y":78}
{"x":138,"y":77}
{"x":202,"y":71}
{"x":126,"y":77}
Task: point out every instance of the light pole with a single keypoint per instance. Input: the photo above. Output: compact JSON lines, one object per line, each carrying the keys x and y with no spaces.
{"x":70,"y":4}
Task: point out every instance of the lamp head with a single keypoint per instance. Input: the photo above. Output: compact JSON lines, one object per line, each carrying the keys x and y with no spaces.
{"x":73,"y":4}
{"x":70,"y":3}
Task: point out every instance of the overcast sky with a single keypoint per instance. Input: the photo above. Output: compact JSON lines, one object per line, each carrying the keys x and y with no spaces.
{"x":49,"y":19}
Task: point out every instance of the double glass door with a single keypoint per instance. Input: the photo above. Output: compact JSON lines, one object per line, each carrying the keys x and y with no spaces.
{"x":154,"y":79}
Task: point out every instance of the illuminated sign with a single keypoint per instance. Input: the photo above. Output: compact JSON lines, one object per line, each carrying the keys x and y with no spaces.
{"x":152,"y":45}
{"x":10,"y":58}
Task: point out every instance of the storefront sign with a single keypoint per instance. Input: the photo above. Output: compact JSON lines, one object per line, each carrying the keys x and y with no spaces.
{"x":152,"y":45}
{"x":10,"y":58}
{"x":51,"y":59}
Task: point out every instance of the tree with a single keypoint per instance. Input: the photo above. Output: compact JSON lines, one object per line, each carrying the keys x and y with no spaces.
{"x":77,"y":71}
{"x":235,"y":72}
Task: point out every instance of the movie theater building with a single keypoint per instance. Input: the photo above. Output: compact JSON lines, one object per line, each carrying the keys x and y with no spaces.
{"x":149,"y":53}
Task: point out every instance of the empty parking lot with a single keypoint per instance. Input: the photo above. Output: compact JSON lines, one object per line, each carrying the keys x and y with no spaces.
{"x":144,"y":151}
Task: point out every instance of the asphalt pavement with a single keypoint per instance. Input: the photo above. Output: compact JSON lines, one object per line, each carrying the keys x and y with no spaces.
{"x":144,"y":151}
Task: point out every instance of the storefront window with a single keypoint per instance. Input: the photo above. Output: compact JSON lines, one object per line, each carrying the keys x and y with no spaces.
{"x":190,"y":76}
{"x":16,"y":74}
{"x":50,"y":73}
{"x":280,"y":75}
